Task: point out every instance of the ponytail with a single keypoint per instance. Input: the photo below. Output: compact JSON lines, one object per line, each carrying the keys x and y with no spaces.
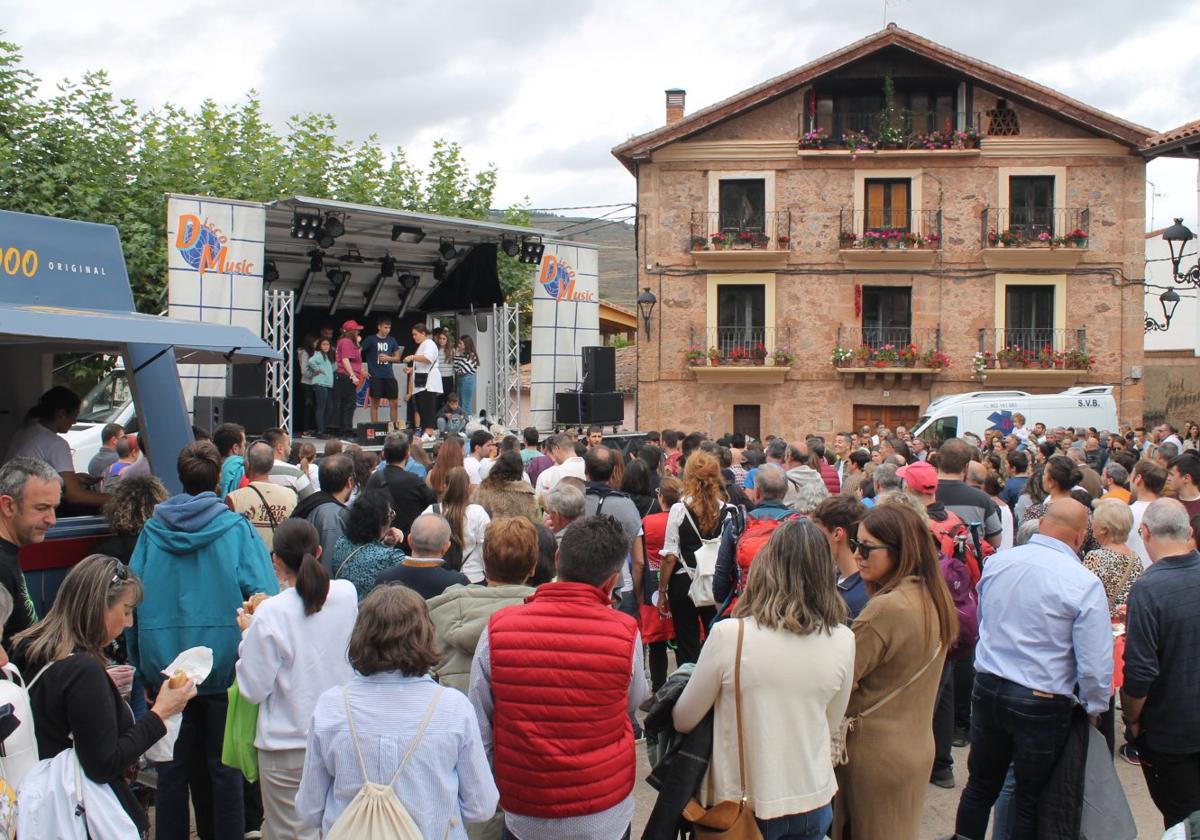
{"x":296,"y":545}
{"x":312,"y":584}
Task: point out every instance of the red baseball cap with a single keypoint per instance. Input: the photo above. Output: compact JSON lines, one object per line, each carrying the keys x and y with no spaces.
{"x":351,"y":325}
{"x":920,"y":476}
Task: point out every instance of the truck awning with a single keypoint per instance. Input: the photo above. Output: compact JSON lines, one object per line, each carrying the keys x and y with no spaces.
{"x":195,"y":342}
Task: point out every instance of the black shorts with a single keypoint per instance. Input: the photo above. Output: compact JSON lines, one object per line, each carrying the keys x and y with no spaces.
{"x":385,"y":387}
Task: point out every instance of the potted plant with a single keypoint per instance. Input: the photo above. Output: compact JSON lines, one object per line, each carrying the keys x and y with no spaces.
{"x":980,"y":364}
{"x":1044,"y":238}
{"x":759,"y":353}
{"x":783,"y":358}
{"x":839,"y":356}
{"x":907,"y":355}
{"x":911,"y":240}
{"x":847,"y":239}
{"x":935,"y":360}
{"x":699,"y":243}
{"x":1012,"y":356}
{"x":1077,"y":239}
{"x":815,"y":139}
{"x":1010,"y":238}
{"x":993,"y":238}
{"x":1047,"y":357}
{"x":862,"y":356}
{"x":1077,"y":359}
{"x":858,"y":141}
{"x":715,"y":356}
{"x":719,"y":241}
{"x":759,"y":240}
{"x":744,"y":239}
{"x":930,"y":240}
{"x":740,"y":356}
{"x":886,"y":356}
{"x":694,"y":354}
{"x":784,"y":241}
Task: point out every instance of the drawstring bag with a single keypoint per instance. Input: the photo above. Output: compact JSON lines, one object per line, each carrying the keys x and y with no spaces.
{"x":701,"y":588}
{"x":241,"y":725}
{"x":728,"y":819}
{"x":375,"y":812}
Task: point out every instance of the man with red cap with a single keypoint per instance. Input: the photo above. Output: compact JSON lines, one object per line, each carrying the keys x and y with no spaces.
{"x":348,"y":377}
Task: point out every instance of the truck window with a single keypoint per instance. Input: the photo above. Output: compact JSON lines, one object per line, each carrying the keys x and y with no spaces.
{"x":943,"y":429}
{"x":105,"y":400}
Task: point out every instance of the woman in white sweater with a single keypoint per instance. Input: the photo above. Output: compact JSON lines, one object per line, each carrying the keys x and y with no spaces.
{"x":294,"y":647}
{"x":797,"y":668}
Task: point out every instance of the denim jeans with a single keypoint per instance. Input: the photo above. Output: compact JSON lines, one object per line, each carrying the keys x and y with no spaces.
{"x":465,"y":385}
{"x":811,"y":825}
{"x":321,"y":396}
{"x":201,"y":735}
{"x":1173,"y":780}
{"x":1004,"y":812}
{"x":1010,"y":724}
{"x":943,"y":721}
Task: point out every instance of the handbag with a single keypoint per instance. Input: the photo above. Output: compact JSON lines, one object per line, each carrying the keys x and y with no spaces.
{"x":837,"y":740}
{"x":241,"y":726}
{"x":728,"y":819}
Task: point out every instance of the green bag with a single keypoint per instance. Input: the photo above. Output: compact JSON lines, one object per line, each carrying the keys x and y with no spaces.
{"x":241,"y":725}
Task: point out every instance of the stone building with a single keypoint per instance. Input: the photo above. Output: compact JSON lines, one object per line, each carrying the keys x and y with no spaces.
{"x":823,"y":244}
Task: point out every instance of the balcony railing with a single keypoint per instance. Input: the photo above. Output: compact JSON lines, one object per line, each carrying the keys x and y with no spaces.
{"x":902,"y":129}
{"x":1035,"y":227}
{"x":721,"y":231}
{"x":888,"y":229}
{"x":889,"y":347}
{"x":1035,"y":347}
{"x":733,"y":345}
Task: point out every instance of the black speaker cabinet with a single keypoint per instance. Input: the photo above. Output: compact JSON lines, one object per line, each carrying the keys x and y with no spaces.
{"x":256,"y":414}
{"x":599,"y":370}
{"x":581,"y":409}
{"x":372,"y":434}
{"x":247,"y":380}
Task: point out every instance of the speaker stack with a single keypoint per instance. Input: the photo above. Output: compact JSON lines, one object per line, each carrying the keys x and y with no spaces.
{"x":256,"y":414}
{"x":598,"y":401}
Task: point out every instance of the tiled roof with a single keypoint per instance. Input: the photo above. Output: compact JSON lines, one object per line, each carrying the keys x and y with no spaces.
{"x":1183,"y":132}
{"x":1003,"y":81}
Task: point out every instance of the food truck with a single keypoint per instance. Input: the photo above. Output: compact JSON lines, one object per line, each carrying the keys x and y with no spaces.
{"x":64,"y":290}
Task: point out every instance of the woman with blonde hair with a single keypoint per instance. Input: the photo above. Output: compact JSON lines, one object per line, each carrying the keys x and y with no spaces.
{"x":790,"y":657}
{"x":696,"y":519}
{"x":901,"y":640}
{"x":468,"y":522}
{"x":74,"y":702}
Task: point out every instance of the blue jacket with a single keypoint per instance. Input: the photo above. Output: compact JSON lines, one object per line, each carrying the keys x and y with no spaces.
{"x":232,"y":471}
{"x":198,"y":561}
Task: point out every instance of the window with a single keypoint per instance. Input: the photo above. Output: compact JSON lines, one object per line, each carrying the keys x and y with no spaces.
{"x":886,"y":315}
{"x":747,"y":420}
{"x":743,"y":205}
{"x":924,"y":110}
{"x":741,"y":317}
{"x":1031,"y":204}
{"x":1029,"y":316}
{"x":886,"y":203}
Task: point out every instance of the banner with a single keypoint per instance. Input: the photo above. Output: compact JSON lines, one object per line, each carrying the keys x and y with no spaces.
{"x":214,"y":274}
{"x":566,"y":318}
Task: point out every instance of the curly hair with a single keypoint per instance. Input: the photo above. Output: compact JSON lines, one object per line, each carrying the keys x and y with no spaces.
{"x":369,"y":515}
{"x":702,"y":488}
{"x":132,"y":502}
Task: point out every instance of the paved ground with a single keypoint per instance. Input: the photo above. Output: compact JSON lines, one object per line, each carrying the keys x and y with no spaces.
{"x":940,"y":804}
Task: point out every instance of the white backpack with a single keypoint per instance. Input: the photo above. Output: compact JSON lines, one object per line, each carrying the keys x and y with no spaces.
{"x":19,"y":752}
{"x":701,"y":589}
{"x":375,"y":812}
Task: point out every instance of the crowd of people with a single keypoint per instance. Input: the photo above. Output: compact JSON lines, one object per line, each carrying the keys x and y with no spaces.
{"x":489,"y":626}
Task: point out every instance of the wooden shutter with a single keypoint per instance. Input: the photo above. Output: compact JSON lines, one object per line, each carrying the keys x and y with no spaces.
{"x":876,"y":202}
{"x":899,"y":204}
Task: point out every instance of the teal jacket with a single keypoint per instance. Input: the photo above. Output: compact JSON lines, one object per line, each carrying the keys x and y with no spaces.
{"x":198,"y":561}
{"x":232,"y":471}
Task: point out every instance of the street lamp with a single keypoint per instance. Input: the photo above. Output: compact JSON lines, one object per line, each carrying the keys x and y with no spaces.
{"x":645,"y":305}
{"x":1177,"y":236}
{"x":1169,"y":300}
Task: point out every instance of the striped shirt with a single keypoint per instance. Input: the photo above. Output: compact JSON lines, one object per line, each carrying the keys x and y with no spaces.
{"x":445,"y":363}
{"x":465,"y":365}
{"x":291,"y":476}
{"x":446,"y":782}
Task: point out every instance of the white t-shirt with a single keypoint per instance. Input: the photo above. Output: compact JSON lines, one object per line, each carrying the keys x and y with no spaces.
{"x":36,"y":441}
{"x":1134,"y":541}
{"x":248,"y":501}
{"x":473,"y":531}
{"x":288,"y":659}
{"x":472,"y":464}
{"x":570,"y":468}
{"x":433,"y":384}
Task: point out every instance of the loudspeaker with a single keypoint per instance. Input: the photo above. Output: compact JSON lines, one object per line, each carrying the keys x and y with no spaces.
{"x":246,"y":380}
{"x":372,"y":434}
{"x":599,"y":370}
{"x":578,"y":409}
{"x":256,"y":414}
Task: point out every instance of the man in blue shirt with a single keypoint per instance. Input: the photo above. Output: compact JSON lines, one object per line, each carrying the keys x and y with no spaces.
{"x":380,"y":352}
{"x":1043,"y":630}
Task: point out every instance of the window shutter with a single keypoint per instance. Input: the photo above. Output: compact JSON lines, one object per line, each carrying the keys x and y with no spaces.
{"x":875,"y":205}
{"x":899,"y":205}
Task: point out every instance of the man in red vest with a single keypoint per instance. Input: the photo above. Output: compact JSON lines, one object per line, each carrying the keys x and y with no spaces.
{"x":554,"y":683}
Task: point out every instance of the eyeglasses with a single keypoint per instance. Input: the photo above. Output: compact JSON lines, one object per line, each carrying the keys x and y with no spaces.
{"x":865,"y":548}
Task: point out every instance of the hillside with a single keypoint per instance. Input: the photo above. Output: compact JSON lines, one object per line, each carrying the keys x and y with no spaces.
{"x":618,"y":259}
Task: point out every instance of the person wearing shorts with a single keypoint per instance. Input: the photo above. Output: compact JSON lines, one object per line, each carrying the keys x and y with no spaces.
{"x":380,"y":352}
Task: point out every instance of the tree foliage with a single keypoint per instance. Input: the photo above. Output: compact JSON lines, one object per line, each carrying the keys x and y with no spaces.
{"x":84,"y":154}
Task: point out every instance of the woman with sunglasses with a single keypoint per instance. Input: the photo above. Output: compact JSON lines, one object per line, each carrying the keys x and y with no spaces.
{"x":901,"y":640}
{"x":74,"y":702}
{"x":370,"y":544}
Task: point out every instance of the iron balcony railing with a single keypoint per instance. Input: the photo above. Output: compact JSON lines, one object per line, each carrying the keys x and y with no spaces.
{"x":744,"y":229}
{"x":886,"y":228}
{"x":876,"y":338}
{"x":1035,"y":227}
{"x":910,"y":123}
{"x":738,"y":344}
{"x":1033,"y":340}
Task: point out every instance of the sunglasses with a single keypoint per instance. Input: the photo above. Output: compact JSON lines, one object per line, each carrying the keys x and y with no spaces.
{"x":120,"y":575}
{"x":865,"y":548}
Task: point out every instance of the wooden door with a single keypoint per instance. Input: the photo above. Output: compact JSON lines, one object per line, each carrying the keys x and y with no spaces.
{"x":890,"y":415}
{"x":747,"y":420}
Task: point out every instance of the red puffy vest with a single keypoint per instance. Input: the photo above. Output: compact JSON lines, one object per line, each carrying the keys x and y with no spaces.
{"x":560,"y":663}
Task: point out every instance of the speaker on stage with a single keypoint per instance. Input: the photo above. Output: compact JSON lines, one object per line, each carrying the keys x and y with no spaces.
{"x":579,"y":409}
{"x":599,"y":370}
{"x":256,"y":414}
{"x":247,"y":380}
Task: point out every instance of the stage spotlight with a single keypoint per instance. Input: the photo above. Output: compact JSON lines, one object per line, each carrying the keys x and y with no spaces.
{"x":408,"y":282}
{"x":531,"y":251}
{"x":305,"y":226}
{"x":387,"y":266}
{"x":324,"y":238}
{"x":334,"y":225}
{"x":447,"y":249}
{"x":316,"y":261}
{"x":407,"y":233}
{"x":335,"y":275}
{"x":439,"y":270}
{"x":510,"y":245}
{"x":271,"y":272}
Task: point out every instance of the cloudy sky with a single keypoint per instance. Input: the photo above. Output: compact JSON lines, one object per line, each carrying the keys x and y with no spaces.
{"x":544,"y":89}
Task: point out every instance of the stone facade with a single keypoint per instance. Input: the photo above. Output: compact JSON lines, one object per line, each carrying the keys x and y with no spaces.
{"x":813,"y":282}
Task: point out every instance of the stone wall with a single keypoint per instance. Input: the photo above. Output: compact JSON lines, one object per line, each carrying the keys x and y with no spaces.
{"x":1172,"y":388}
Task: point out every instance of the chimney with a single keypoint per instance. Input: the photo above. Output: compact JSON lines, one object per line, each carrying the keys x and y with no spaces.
{"x":675,"y":99}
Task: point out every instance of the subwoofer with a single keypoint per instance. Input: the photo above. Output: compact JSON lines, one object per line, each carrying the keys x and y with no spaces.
{"x":599,"y":370}
{"x":580,"y":409}
{"x":256,"y":414}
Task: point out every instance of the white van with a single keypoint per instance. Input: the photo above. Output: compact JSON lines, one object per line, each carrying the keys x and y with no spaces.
{"x":981,"y":411}
{"x":109,"y":402}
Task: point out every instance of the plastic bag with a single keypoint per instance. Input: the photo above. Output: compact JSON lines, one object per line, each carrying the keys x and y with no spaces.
{"x":241,"y":725}
{"x":197,"y":663}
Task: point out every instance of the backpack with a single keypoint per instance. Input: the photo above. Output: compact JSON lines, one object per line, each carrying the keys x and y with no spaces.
{"x":19,"y":751}
{"x":701,"y":588}
{"x":954,"y":550}
{"x":956,"y":539}
{"x":375,"y":812}
{"x":752,"y":536}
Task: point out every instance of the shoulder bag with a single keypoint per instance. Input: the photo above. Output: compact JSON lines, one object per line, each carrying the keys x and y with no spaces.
{"x":266,"y":507}
{"x":728,"y":819}
{"x":837,"y":740}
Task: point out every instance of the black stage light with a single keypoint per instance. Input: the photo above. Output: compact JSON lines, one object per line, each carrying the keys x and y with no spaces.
{"x":305,"y":226}
{"x":531,"y":251}
{"x":271,"y":272}
{"x":316,"y":260}
{"x":387,"y":266}
{"x":334,"y":225}
{"x":407,"y":233}
{"x":510,"y":245}
{"x":439,"y":270}
{"x":447,"y":249}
